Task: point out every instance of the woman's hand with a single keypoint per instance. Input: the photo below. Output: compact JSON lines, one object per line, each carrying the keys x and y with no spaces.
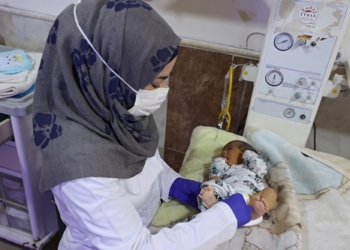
{"x":238,"y":206}
{"x":185,"y":191}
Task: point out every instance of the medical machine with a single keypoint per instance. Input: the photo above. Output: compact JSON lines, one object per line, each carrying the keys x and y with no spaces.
{"x":302,"y":42}
{"x":27,"y":217}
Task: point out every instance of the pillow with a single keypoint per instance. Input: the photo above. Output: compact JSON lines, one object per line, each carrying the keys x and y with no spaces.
{"x":206,"y":144}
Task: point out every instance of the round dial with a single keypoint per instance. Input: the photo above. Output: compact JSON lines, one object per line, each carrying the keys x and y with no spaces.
{"x":274,"y":78}
{"x":289,"y":113}
{"x":283,"y":41}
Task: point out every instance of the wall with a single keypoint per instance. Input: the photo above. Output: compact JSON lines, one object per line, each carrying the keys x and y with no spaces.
{"x":196,"y":90}
{"x":223,"y":19}
{"x":333,"y":126}
{"x":50,"y":7}
{"x":226,"y":22}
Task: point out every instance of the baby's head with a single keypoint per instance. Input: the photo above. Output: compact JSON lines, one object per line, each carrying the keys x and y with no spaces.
{"x":234,"y":150}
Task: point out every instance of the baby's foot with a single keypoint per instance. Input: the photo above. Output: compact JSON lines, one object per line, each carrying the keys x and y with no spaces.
{"x":207,"y":196}
{"x":259,"y":208}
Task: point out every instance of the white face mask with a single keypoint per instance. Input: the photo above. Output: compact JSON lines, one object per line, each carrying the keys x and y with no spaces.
{"x":148,"y":101}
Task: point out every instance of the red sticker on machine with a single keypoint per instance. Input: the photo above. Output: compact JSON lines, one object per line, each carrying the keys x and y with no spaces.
{"x":308,"y":13}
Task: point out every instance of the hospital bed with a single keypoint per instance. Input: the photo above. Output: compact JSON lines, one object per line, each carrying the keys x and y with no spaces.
{"x":313,"y":191}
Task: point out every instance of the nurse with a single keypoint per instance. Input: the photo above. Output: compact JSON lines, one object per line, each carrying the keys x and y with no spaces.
{"x":101,"y":78}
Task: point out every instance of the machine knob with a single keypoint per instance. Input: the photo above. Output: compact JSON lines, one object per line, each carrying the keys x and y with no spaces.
{"x":302,"y":81}
{"x":300,"y":42}
{"x":297,"y":95}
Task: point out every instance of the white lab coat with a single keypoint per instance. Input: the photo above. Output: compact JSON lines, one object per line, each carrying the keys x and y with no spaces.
{"x":110,"y":213}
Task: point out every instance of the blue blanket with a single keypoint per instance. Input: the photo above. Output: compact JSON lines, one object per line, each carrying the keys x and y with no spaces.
{"x":307,"y":174}
{"x":322,"y":188}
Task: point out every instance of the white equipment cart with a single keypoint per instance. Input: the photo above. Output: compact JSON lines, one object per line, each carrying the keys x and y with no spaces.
{"x":27,"y":217}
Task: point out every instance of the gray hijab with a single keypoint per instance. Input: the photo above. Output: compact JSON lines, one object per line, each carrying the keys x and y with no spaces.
{"x":80,"y":120}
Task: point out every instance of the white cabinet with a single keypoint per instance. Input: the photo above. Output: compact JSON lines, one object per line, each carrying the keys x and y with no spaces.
{"x":27,"y":217}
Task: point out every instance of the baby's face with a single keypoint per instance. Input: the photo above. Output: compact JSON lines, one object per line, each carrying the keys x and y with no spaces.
{"x":232,"y":154}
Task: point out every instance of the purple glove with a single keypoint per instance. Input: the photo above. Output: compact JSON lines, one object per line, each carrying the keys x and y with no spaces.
{"x":185,"y":191}
{"x":239,"y":208}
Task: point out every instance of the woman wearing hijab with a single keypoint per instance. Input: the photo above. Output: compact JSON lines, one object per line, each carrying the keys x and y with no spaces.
{"x":101,"y":77}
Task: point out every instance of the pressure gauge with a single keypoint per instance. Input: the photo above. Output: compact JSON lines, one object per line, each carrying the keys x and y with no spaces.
{"x":289,"y":113}
{"x":283,"y":41}
{"x":274,"y":78}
